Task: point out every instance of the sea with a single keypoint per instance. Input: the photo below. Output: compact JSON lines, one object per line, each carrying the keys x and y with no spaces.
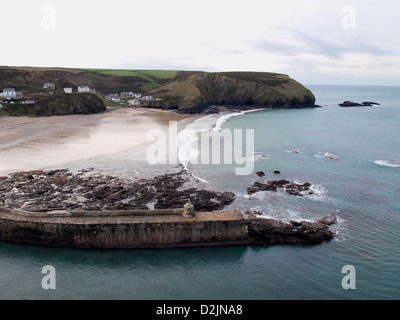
{"x":351,"y":156}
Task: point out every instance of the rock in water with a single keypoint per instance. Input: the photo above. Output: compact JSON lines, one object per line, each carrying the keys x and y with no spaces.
{"x":260,"y":173}
{"x":269,"y":231}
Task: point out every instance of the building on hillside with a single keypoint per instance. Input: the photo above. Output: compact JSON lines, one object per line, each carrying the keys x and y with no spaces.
{"x":83,"y":89}
{"x":28,"y":102}
{"x":49,"y":85}
{"x":130,"y":95}
{"x":135,"y":102}
{"x":147,"y":98}
{"x":113,"y":97}
{"x":68,"y":90}
{"x":8,"y":93}
{"x":93,"y":90}
{"x":19,"y":95}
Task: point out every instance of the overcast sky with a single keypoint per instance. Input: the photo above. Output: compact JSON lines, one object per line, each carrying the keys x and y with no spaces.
{"x":313,"y":41}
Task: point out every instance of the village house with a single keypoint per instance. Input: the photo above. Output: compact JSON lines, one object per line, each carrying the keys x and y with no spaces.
{"x":135,"y":102}
{"x":147,"y":98}
{"x":130,"y":95}
{"x":83,"y":89}
{"x":113,"y":97}
{"x":49,"y":85}
{"x":68,"y":90}
{"x":8,"y":93}
{"x":28,"y":102}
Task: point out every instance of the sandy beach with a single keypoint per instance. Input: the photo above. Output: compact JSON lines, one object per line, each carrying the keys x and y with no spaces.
{"x":47,"y":142}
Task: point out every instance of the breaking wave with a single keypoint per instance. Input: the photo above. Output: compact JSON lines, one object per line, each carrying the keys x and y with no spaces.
{"x":326,"y":155}
{"x":388,"y":163}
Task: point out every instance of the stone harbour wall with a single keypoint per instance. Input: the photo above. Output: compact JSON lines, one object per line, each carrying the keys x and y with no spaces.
{"x":121,"y":230}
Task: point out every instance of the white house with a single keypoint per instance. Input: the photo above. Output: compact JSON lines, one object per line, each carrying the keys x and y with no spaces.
{"x":113,"y":97}
{"x":147,"y":98}
{"x":83,"y":89}
{"x":49,"y":85}
{"x":135,"y":102}
{"x":68,"y":90}
{"x":131,"y":95}
{"x":8,"y":93}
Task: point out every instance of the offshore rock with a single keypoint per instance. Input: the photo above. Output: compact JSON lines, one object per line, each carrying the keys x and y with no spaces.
{"x":355,"y":104}
{"x":268,"y":231}
{"x":291,"y":188}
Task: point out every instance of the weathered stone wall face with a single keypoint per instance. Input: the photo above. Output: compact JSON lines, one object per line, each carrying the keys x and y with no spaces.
{"x":125,"y":232}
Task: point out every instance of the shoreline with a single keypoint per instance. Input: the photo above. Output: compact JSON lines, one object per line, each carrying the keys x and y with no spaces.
{"x":52,"y":142}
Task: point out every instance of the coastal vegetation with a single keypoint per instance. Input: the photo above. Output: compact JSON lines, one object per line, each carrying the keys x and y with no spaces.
{"x":58,"y":104}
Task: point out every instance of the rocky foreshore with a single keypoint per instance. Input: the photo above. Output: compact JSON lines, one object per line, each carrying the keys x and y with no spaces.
{"x":86,"y":190}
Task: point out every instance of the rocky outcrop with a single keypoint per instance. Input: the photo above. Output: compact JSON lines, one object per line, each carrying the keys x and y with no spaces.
{"x":291,"y":188}
{"x":356,"y":104}
{"x":61,"y":189}
{"x":268,"y":231}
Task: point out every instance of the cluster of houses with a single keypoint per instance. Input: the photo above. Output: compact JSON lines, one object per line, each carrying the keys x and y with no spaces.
{"x":52,"y":86}
{"x":134,"y":99}
{"x":10,"y":95}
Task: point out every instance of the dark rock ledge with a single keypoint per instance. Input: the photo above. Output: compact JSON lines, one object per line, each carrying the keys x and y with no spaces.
{"x":356,"y":104}
{"x":61,"y":189}
{"x":291,"y":188}
{"x":268,"y":231}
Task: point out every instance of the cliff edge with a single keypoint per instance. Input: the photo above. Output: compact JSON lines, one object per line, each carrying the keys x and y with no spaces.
{"x":202,"y":92}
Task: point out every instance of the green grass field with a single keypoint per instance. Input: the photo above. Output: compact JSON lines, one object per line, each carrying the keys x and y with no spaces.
{"x":149,"y":75}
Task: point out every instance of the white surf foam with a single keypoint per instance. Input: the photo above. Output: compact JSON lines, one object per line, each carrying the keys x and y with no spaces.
{"x":225,"y":117}
{"x":257,"y":156}
{"x":326,"y":155}
{"x":388,"y":163}
{"x":294,"y":151}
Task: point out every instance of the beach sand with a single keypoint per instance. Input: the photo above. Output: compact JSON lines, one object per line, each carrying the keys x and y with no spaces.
{"x":48,"y":142}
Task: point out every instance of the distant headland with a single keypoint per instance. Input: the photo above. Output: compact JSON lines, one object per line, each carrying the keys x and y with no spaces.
{"x":37,"y":91}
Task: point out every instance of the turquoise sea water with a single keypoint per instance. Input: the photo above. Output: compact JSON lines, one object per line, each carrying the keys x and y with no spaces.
{"x":350,"y":155}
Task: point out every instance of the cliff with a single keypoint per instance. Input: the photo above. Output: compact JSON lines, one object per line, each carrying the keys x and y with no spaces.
{"x":201,"y":92}
{"x":58,"y":104}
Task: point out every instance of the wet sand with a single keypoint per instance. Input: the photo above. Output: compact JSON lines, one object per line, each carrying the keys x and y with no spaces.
{"x":41,"y":143}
